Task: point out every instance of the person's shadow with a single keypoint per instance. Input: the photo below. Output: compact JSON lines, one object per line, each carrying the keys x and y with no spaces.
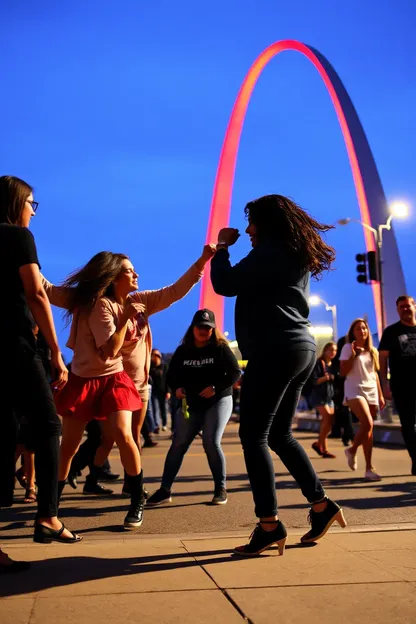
{"x":64,"y":571}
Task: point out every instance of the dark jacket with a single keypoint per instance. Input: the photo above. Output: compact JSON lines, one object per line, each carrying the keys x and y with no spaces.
{"x":271,"y":310}
{"x":323,"y":393}
{"x":194,"y":369}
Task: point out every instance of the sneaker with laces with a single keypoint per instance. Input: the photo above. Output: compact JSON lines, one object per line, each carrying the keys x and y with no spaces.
{"x":160,"y":497}
{"x":134,"y":518}
{"x":351,"y":458}
{"x":220,"y":497}
{"x":371,"y":475}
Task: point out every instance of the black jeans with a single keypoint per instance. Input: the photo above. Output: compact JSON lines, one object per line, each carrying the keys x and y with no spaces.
{"x":269,"y":396}
{"x":405,"y":402}
{"x":24,"y":388}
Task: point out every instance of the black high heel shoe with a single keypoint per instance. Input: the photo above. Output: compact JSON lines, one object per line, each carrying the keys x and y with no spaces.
{"x":45,"y":535}
{"x":321,"y":521}
{"x":260,"y":540}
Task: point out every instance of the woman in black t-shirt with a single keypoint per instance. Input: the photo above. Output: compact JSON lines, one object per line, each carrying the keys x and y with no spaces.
{"x":23,"y":383}
{"x":201,"y":374}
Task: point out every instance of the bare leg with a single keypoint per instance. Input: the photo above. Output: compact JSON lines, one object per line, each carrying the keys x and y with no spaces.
{"x":364,"y":435}
{"x":121,"y":427}
{"x":327,"y":416}
{"x":30,"y":468}
{"x":72,"y":432}
{"x":107,"y":443}
{"x":137,"y":423}
{"x":368,"y":444}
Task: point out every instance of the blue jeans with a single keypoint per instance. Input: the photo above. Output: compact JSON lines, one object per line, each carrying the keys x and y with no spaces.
{"x":212,"y":423}
{"x":269,"y":397}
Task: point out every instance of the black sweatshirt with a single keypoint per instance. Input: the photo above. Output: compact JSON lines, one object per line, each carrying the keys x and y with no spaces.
{"x":196,"y":368}
{"x":272,"y":297}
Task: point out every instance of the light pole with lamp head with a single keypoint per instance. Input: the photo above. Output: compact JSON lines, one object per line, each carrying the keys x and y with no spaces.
{"x":398,"y":209}
{"x":314,"y":300}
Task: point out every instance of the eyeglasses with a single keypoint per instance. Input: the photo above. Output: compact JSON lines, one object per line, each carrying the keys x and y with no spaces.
{"x":34,"y":204}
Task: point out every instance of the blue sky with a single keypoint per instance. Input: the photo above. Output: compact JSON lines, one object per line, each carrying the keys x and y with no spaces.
{"x":116,"y":113}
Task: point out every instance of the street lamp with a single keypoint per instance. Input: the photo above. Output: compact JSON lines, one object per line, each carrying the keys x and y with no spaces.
{"x":398,"y":209}
{"x":314,"y":300}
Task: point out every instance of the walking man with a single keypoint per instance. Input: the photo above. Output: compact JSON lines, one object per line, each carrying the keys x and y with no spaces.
{"x":398,"y":352}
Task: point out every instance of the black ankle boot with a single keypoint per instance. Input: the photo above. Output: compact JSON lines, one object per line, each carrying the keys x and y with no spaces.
{"x":134,"y":516}
{"x":261,"y":540}
{"x":321,"y":521}
{"x":92,"y":486}
{"x":61,"y":485}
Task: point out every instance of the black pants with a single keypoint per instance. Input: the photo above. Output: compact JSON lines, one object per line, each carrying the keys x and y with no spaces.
{"x":405,"y":402}
{"x":25,"y":389}
{"x":86,"y":452}
{"x":343,"y":421}
{"x":269,"y":396}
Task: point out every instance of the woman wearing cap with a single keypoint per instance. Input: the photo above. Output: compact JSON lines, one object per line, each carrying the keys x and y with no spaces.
{"x":202,"y":373}
{"x":272,"y":288}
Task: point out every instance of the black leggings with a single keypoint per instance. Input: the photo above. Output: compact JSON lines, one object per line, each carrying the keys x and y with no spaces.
{"x":24,"y":388}
{"x":269,"y":397}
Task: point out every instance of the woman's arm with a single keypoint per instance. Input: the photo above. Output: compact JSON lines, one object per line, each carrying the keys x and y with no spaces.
{"x":57,"y":295}
{"x":347,"y":359}
{"x":173,"y":377}
{"x":40,"y":308}
{"x":317,"y":377}
{"x":112,"y":346}
{"x":158,"y":300}
{"x":232,"y":372}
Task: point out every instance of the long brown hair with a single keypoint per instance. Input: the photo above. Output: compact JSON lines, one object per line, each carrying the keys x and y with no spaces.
{"x":325,"y":347}
{"x":93,"y":281}
{"x":278,"y":218}
{"x":368,"y":345}
{"x":13,"y":195}
{"x":189,"y":340}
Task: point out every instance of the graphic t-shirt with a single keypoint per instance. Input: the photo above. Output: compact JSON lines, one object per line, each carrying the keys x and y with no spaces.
{"x":17,"y":249}
{"x":400,"y":341}
{"x":194,"y":369}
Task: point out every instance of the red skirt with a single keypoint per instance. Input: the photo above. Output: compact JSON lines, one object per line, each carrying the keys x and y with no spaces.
{"x":97,"y":397}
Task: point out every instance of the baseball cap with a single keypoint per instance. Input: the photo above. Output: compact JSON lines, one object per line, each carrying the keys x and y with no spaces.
{"x":204,"y":317}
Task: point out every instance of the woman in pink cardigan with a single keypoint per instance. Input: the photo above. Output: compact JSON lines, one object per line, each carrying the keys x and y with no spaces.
{"x":135,"y":348}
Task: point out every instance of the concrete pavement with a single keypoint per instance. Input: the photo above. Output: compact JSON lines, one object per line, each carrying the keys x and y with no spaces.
{"x":350,"y":578}
{"x":179,"y":566}
{"x":389,"y":502}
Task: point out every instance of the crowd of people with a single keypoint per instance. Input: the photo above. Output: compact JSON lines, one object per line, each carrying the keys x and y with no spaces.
{"x":107,"y":391}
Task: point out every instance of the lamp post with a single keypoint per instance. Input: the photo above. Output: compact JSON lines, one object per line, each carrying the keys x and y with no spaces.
{"x":314,"y":300}
{"x":398,"y":209}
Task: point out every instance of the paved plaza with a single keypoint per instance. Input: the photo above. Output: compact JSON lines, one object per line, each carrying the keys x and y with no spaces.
{"x":179,"y":566}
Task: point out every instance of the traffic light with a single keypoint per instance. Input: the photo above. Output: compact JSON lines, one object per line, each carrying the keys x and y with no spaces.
{"x":362,"y":268}
{"x":367,"y":267}
{"x":372,"y":263}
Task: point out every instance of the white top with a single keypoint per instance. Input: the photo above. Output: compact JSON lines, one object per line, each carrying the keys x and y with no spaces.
{"x":361,"y":381}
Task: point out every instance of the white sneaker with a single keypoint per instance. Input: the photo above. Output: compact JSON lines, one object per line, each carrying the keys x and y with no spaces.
{"x":351,"y":458}
{"x":370,"y":475}
{"x":164,"y":428}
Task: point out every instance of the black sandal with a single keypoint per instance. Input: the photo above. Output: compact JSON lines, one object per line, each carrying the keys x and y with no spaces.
{"x":45,"y":535}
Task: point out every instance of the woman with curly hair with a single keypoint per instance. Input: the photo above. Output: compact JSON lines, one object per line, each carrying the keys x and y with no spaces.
{"x":272,"y":288}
